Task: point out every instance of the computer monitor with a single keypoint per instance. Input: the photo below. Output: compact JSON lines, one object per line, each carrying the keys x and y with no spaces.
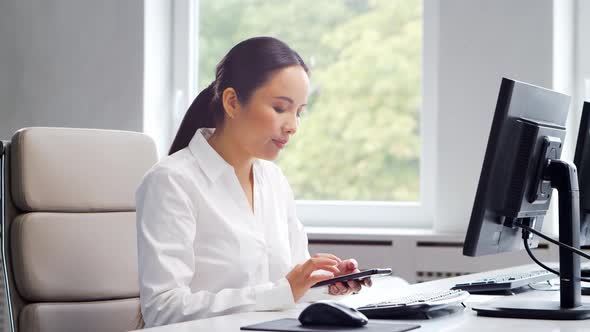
{"x":582,"y":162}
{"x":521,"y":167}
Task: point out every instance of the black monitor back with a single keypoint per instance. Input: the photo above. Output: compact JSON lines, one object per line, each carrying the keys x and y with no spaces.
{"x":582,"y":162}
{"x":529,"y":121}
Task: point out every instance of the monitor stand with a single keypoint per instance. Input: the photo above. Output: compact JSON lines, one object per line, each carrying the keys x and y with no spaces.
{"x":563,"y":177}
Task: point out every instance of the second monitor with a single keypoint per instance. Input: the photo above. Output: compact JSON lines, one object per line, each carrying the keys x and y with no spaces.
{"x":582,"y":162}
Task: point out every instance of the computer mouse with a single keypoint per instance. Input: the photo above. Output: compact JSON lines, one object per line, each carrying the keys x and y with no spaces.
{"x":332,"y":313}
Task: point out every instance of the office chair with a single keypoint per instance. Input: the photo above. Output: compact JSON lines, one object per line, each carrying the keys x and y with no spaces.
{"x":68,"y":228}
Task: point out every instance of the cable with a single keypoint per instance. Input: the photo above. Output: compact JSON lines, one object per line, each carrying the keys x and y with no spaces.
{"x":526,"y":229}
{"x":528,"y":250}
{"x":536,"y":232}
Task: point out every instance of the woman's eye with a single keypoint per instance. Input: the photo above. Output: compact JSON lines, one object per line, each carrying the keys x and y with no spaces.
{"x":279,"y":110}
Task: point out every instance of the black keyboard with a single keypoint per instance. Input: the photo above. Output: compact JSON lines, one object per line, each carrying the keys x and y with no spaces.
{"x":421,"y":303}
{"x":505,"y":281}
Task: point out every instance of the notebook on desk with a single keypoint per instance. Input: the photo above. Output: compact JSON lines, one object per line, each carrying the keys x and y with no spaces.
{"x":293,"y":325}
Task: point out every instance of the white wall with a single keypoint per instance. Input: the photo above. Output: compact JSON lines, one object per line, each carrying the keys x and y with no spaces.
{"x":71,"y":63}
{"x":480,"y":42}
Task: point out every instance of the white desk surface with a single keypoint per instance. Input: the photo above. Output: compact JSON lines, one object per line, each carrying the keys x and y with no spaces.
{"x":465,"y":320}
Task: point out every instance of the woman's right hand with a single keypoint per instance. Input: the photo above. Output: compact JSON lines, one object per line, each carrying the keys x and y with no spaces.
{"x":301,"y":277}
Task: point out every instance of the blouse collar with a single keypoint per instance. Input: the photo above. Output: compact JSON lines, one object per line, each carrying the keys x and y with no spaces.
{"x":211,"y":162}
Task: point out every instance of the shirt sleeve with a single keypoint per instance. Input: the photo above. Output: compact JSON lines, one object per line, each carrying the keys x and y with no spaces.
{"x":297,"y":236}
{"x":299,"y":247}
{"x":166,"y":228}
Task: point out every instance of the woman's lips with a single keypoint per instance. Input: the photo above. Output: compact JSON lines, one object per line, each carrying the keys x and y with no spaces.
{"x":280,"y":143}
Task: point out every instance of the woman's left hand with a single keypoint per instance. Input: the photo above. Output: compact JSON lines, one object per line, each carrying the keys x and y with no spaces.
{"x":342,"y":288}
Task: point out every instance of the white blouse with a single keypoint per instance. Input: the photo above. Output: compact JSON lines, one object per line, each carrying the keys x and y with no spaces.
{"x":202,"y":252}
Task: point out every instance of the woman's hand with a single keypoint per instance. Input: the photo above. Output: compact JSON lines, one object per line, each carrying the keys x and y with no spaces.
{"x":301,"y":277}
{"x":343,"y":288}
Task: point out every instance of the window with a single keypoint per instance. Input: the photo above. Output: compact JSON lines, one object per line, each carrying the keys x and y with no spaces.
{"x":359,"y":157}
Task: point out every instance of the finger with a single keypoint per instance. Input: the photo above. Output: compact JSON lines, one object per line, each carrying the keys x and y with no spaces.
{"x":314,"y":279}
{"x":352,"y":264}
{"x":323,"y":266}
{"x":346,"y":291}
{"x":334,"y":257}
{"x":333,"y":290}
{"x":318,"y":263}
{"x":368,"y":282}
{"x":354,"y":285}
{"x":348,"y":266}
{"x":342,"y":288}
{"x":323,"y":260}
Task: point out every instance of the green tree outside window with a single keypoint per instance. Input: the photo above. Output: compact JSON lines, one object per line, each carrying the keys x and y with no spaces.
{"x":360,"y":138}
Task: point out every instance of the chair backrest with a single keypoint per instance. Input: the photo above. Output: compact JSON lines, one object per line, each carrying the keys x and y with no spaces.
{"x":69,"y":238}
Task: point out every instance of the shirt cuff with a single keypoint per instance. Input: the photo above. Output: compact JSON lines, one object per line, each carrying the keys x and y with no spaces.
{"x":274,"y":296}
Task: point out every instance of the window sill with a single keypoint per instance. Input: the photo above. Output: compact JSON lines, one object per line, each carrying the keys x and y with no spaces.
{"x":377,"y":234}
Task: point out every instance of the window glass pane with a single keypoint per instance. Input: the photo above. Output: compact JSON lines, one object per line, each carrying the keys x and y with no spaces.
{"x":360,"y":136}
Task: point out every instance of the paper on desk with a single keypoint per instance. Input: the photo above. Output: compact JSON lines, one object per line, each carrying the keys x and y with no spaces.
{"x":383,"y":288}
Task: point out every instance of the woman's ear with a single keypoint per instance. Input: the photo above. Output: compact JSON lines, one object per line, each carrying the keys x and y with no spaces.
{"x":231,"y":104}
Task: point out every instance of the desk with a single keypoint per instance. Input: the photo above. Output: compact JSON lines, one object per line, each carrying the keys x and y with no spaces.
{"x":465,"y":320}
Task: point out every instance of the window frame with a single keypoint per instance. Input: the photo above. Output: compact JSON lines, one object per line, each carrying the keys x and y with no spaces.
{"x":334,"y":213}
{"x":581,"y":70}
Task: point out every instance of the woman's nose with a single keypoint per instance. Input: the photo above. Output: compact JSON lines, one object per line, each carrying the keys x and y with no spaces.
{"x":291,"y":124}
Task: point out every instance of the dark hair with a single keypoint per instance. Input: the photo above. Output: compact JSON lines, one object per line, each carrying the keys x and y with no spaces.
{"x":246,"y":67}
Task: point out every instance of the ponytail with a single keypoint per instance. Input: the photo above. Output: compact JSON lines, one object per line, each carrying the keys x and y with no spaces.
{"x":204,"y":112}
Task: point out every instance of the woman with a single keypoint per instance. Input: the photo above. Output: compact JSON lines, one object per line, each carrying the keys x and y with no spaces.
{"x":216,"y":224}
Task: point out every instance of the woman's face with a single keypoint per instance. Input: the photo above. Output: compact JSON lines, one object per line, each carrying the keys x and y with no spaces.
{"x":265,"y":124}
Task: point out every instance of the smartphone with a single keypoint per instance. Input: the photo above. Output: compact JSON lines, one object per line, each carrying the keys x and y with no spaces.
{"x":354,"y":276}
